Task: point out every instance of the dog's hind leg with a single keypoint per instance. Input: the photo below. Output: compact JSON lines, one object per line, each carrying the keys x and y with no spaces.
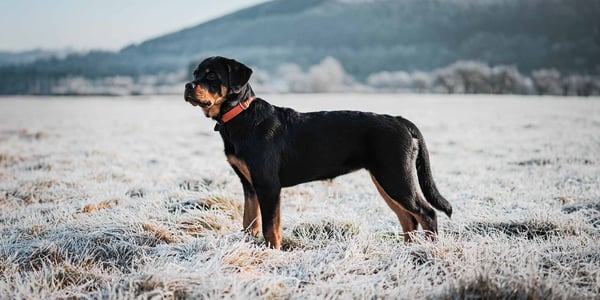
{"x":407,"y":204}
{"x":408,"y":222}
{"x":397,"y":181}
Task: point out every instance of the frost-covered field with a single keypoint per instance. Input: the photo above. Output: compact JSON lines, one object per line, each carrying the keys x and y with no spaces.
{"x":132,"y":197}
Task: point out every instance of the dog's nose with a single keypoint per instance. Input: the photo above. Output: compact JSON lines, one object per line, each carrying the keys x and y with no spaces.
{"x":190,"y":86}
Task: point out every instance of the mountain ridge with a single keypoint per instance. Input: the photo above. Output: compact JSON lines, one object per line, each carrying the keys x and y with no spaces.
{"x":365,"y":36}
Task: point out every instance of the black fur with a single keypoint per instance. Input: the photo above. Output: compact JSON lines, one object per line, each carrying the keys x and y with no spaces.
{"x":282,"y":148}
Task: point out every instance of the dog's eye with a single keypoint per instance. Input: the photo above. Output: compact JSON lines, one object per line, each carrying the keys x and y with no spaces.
{"x":211,"y":76}
{"x":195,"y":73}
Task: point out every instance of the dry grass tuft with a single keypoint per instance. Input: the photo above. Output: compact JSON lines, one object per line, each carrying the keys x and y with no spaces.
{"x":136,"y":193}
{"x":39,"y":166}
{"x":535,"y":162}
{"x":246,"y":260}
{"x":211,"y":214}
{"x":555,"y":161}
{"x":76,"y":276}
{"x":94,"y":207}
{"x":32,"y":192}
{"x":3,"y":265}
{"x":195,"y":185}
{"x":7,"y":160}
{"x":291,"y":244}
{"x":530,"y":229}
{"x":36,"y":229}
{"x":223,"y":204}
{"x":187,"y":206}
{"x":201,"y":223}
{"x":589,"y":211}
{"x":566,"y":199}
{"x":594,"y":207}
{"x":161,"y":233}
{"x":35,"y":135}
{"x":484,"y":286}
{"x":325,"y":230}
{"x":228,"y":205}
{"x":151,"y":287}
{"x":44,"y":254}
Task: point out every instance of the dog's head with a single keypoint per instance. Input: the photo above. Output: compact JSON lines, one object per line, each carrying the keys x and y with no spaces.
{"x":216,"y":79}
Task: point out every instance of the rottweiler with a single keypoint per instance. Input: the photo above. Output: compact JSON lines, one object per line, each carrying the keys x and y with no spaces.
{"x":271,"y":147}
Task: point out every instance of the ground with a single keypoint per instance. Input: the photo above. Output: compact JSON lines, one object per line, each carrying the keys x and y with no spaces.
{"x":132,"y":197}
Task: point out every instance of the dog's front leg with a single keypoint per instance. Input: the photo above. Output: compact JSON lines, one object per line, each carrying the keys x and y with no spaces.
{"x":268,"y":199}
{"x":251,"y":208}
{"x":252,"y":218}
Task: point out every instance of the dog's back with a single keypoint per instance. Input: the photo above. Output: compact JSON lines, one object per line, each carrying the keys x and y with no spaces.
{"x":326,"y":144}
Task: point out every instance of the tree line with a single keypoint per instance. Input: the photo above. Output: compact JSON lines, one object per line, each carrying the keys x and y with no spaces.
{"x":329,"y":75}
{"x":466,"y":77}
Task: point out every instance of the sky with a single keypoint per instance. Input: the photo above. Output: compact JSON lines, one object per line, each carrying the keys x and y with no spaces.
{"x":101,"y":24}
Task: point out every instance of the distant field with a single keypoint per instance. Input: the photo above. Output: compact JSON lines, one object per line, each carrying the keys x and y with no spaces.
{"x":132,"y":197}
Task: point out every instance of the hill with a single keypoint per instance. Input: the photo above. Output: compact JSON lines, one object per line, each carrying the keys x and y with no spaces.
{"x":25,"y":57}
{"x":365,"y":36}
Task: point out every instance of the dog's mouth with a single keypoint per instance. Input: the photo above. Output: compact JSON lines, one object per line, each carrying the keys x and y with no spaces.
{"x":195,"y":102}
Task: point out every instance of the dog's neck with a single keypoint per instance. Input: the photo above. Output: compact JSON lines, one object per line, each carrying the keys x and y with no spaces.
{"x":234,"y":99}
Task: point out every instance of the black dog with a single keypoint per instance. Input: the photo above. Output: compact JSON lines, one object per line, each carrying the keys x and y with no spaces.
{"x":271,"y":147}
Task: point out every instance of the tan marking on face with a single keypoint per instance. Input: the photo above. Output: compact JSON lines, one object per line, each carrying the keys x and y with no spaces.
{"x":407,"y":220}
{"x":272,"y":233}
{"x":241,"y":166}
{"x":215,"y":100}
{"x":252,"y":219}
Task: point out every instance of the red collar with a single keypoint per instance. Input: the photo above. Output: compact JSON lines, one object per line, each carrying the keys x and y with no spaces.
{"x":236,"y":110}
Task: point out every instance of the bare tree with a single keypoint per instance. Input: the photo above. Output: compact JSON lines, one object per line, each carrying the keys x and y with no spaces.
{"x":547,"y":82}
{"x":507,"y":80}
{"x":295,"y":79}
{"x":327,"y":76}
{"x":393,"y":81}
{"x":447,"y":80}
{"x":421,"y":81}
{"x":474,"y":76}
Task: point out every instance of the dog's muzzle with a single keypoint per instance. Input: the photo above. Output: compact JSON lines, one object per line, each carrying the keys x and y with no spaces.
{"x":189,"y":91}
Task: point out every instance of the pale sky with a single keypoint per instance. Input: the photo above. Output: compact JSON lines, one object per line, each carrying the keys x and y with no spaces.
{"x":101,"y":24}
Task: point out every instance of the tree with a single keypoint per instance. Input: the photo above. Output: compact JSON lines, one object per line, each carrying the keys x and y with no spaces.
{"x":327,"y":76}
{"x":421,"y":81}
{"x":547,"y":82}
{"x":447,"y":80}
{"x":294,"y":77}
{"x":474,"y":76}
{"x":391,"y":81}
{"x":507,"y":80}
{"x":324,"y":77}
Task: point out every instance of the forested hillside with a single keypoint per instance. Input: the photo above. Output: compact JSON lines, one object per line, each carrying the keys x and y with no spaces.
{"x":365,"y":36}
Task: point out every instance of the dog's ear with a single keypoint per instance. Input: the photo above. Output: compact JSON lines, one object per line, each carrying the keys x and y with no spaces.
{"x":238,"y":75}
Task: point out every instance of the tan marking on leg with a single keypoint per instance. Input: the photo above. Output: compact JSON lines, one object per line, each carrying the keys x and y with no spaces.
{"x":252,"y":221}
{"x":405,"y":217}
{"x":241,"y":166}
{"x":273,"y":233}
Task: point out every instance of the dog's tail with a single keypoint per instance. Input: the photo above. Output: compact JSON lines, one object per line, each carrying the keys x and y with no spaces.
{"x":432,"y":195}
